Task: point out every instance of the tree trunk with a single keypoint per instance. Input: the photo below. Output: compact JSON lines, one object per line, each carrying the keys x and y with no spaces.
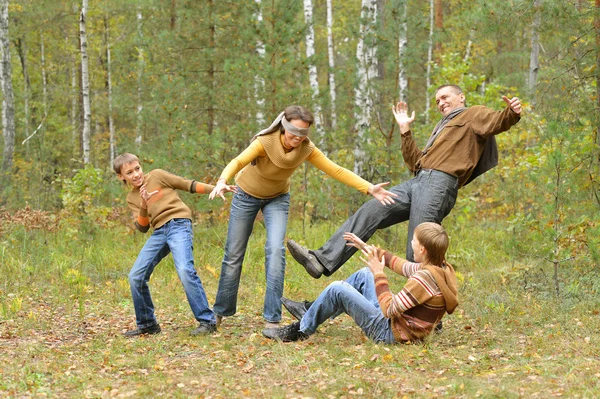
{"x":366,"y":52}
{"x":469,"y":45}
{"x":140,"y":106}
{"x":331,"y":59}
{"x":312,"y":69}
{"x":85,"y":84}
{"x":211,"y":69}
{"x":44,"y":75}
{"x":22,"y":51}
{"x":173,"y":14}
{"x":597,"y":28}
{"x":8,"y":107}
{"x":259,"y":81}
{"x":111,"y":125}
{"x":535,"y":50}
{"x":429,"y":61}
{"x":402,"y":49}
{"x":439,"y":22}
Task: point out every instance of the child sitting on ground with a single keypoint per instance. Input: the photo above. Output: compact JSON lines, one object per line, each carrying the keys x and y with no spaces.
{"x":411,"y":315}
{"x":154,"y":201}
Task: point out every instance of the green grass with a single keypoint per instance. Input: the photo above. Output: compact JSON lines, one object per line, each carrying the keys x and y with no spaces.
{"x":64,"y":301}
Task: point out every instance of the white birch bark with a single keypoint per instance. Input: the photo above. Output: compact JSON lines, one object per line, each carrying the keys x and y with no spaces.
{"x":331,"y":59}
{"x":402,"y":50}
{"x":429,"y":61}
{"x":111,"y":125}
{"x":312,"y":69}
{"x":140,"y":106}
{"x":366,"y":52}
{"x":74,"y":103}
{"x":22,"y":49}
{"x":469,"y":45}
{"x":259,"y":81}
{"x":534,"y":63}
{"x":85,"y":84}
{"x":44,"y":76}
{"x":8,"y":107}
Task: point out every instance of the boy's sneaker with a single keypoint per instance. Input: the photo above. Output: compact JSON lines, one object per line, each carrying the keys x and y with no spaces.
{"x":288,"y":333}
{"x":204,"y":329}
{"x":155,"y":329}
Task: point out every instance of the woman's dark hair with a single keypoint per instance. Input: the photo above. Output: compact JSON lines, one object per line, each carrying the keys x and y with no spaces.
{"x":295,"y":112}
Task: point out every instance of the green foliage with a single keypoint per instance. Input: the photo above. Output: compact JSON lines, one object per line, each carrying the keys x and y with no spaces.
{"x":80,"y":195}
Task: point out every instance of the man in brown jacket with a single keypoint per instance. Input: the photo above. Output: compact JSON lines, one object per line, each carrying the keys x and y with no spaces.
{"x":461,"y":147}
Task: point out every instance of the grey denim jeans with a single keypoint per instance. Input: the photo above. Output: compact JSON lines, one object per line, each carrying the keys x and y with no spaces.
{"x":427,"y":197}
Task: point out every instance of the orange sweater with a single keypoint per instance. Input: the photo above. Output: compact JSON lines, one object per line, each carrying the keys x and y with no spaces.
{"x":166,"y":204}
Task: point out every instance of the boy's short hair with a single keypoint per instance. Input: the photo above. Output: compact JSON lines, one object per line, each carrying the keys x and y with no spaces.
{"x":123,"y":159}
{"x":435,"y":240}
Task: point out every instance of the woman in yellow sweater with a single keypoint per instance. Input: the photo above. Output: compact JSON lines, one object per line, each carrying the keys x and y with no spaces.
{"x":262,"y":173}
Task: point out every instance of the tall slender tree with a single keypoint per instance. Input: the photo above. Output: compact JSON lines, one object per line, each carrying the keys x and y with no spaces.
{"x":402,"y":47}
{"x":366,"y":55}
{"x":331,"y":60}
{"x":259,"y":81}
{"x":85,"y":84}
{"x":312,"y":68}
{"x":111,"y":124}
{"x":534,"y":61}
{"x":429,"y":61}
{"x":140,"y":74}
{"x":8,"y":107}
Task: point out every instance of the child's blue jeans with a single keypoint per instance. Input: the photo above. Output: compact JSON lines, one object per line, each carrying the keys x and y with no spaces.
{"x":176,"y":237}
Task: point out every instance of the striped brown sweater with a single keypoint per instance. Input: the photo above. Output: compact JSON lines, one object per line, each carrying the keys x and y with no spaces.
{"x":420,"y":305}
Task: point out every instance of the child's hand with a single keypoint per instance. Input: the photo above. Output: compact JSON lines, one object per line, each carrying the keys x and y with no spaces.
{"x":374,"y":258}
{"x":354,"y":241}
{"x":145,"y":194}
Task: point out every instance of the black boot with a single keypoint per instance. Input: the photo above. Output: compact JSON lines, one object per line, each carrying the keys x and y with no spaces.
{"x":288,"y":333}
{"x":154,"y":329}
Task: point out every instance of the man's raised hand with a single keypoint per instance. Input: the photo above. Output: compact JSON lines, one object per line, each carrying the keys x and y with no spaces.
{"x":514,"y":104}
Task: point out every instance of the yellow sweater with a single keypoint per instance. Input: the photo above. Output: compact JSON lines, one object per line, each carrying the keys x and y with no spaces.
{"x":269,"y":176}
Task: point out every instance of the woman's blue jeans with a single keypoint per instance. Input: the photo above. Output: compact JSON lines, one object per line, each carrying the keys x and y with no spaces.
{"x":244,"y":209}
{"x":357,"y":297}
{"x":176,"y":237}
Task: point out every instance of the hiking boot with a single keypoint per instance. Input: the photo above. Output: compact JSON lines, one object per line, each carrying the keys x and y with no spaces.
{"x":305,"y":258}
{"x":288,"y":333}
{"x":296,"y":309}
{"x":154,"y":329}
{"x":204,"y":329}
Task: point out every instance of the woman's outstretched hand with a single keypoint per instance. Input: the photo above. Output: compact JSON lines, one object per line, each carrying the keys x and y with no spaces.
{"x":221,"y":188}
{"x":381,"y":194}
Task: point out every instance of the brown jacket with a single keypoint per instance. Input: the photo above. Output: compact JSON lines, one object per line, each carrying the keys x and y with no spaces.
{"x":460,"y":144}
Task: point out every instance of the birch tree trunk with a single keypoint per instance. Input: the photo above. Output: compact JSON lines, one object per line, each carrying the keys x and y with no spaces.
{"x":44,"y":76}
{"x":140,"y":106}
{"x":22,"y":51}
{"x":8,"y":107}
{"x":211,"y":69}
{"x":429,"y":61}
{"x":85,"y":84}
{"x":312,"y":69}
{"x":469,"y":45}
{"x":535,"y":50}
{"x":259,"y":81}
{"x":111,"y":125}
{"x":331,"y":59}
{"x":366,"y":52}
{"x":74,"y":98}
{"x":402,"y":48}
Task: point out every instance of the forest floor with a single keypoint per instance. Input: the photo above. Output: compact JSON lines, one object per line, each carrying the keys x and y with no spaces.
{"x":64,"y":302}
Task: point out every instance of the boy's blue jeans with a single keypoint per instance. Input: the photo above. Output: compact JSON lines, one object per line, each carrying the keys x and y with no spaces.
{"x":244,"y":209}
{"x":175,"y":236}
{"x":356,"y":296}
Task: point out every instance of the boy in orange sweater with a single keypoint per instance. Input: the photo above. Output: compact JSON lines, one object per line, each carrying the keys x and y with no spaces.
{"x":154,"y":202}
{"x":410,"y":315}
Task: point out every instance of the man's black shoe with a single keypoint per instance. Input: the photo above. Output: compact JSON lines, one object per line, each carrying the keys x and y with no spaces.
{"x":304,"y":257}
{"x":204,"y":329}
{"x":155,"y":329}
{"x":288,"y":333}
{"x":296,"y":309}
{"x":438,"y":327}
